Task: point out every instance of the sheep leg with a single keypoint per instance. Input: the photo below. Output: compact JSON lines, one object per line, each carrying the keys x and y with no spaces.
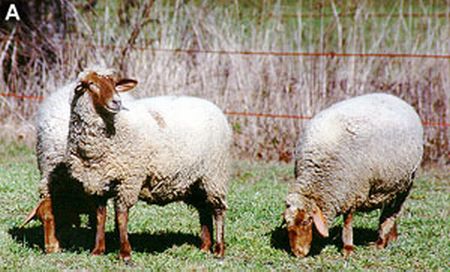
{"x":387,"y":230}
{"x":206,"y":228}
{"x":43,"y":211}
{"x":45,"y":214}
{"x":219,"y":218}
{"x":347,"y":234}
{"x":100,"y":247}
{"x":122,"y":222}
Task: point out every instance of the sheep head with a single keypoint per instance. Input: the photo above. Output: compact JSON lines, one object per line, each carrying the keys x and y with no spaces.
{"x":299,"y":223}
{"x":104,"y":90}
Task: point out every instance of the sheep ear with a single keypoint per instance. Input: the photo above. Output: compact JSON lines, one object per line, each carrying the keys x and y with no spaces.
{"x":320,"y":222}
{"x":125,"y":85}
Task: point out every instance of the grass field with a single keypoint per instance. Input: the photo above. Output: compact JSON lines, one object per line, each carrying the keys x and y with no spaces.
{"x":166,"y":238}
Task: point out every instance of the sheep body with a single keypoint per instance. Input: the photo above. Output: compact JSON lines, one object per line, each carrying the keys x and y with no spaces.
{"x":357,"y":155}
{"x":161,"y":149}
{"x":57,"y":189}
{"x":162,"y":145}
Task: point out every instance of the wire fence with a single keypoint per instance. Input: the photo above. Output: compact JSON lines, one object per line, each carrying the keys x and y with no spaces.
{"x":426,"y":123}
{"x":272,"y":53}
{"x":372,"y":14}
{"x":235,"y":113}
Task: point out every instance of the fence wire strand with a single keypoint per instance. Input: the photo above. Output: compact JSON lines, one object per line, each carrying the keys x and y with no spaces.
{"x":266,"y":53}
{"x":238,"y":114}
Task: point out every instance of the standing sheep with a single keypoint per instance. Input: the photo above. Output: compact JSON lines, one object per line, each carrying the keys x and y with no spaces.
{"x":160,"y":150}
{"x":358,"y":155}
{"x":62,"y":198}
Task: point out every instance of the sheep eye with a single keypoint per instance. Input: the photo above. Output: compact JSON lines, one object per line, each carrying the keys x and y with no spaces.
{"x":79,"y":88}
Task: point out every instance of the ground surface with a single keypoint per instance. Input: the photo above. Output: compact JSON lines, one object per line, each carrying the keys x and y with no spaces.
{"x":166,"y":238}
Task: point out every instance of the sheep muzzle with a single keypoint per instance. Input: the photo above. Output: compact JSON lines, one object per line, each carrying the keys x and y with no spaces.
{"x":300,"y":233}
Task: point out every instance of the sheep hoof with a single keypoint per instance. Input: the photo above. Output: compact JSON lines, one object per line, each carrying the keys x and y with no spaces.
{"x":348,"y":251}
{"x":54,"y":248}
{"x":381,"y":243}
{"x":205,"y":249}
{"x":97,"y":251}
{"x":129,"y":262}
{"x":126,"y":258}
{"x":219,"y":251}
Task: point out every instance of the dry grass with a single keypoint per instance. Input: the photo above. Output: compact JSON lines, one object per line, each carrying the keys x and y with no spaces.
{"x":255,"y":83}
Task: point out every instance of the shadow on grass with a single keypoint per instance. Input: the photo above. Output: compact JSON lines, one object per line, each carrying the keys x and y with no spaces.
{"x":361,"y":237}
{"x":82,"y":239}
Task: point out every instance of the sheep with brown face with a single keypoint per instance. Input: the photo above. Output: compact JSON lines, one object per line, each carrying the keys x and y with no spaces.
{"x":358,"y":155}
{"x":62,"y":199}
{"x":160,"y":150}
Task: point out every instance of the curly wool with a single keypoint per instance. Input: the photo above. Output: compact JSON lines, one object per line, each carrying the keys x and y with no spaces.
{"x":52,"y":126}
{"x":158,"y":150}
{"x":356,"y":156}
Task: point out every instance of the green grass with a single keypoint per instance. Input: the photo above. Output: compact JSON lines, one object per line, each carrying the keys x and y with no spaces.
{"x":166,"y":238}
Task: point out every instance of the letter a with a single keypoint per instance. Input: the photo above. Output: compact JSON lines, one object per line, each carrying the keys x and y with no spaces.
{"x":12,"y":12}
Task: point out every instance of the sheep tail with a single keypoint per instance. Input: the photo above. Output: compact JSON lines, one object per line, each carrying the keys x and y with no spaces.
{"x":31,"y":215}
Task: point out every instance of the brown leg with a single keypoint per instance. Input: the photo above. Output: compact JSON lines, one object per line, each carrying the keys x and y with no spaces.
{"x":100,"y":231}
{"x":45,"y":214}
{"x":386,"y":225}
{"x":347,"y":234}
{"x":387,"y":230}
{"x":387,"y":233}
{"x":219,"y":218}
{"x":393,"y":235}
{"x":122,"y":222}
{"x":206,"y":229}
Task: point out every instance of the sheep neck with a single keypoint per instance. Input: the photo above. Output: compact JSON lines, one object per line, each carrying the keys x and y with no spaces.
{"x":306,"y":199}
{"x":309,"y":170}
{"x":90,"y":130}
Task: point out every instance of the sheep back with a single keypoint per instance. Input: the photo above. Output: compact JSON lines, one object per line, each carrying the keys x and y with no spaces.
{"x":357,"y":155}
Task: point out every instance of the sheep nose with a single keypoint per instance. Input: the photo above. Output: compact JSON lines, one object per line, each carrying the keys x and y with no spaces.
{"x":117,"y":104}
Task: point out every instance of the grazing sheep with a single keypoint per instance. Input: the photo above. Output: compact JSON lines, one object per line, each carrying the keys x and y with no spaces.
{"x":358,"y":155}
{"x":160,"y":150}
{"x":58,"y":190}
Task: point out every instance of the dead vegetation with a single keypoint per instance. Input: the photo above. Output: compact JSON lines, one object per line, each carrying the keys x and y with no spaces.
{"x":134,"y":39}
